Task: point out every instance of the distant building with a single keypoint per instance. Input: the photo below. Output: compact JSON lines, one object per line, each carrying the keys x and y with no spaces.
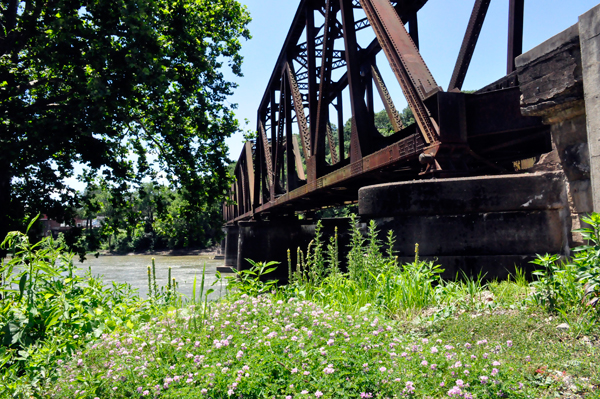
{"x":52,"y":227}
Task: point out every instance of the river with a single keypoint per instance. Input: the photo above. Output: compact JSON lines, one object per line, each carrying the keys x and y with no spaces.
{"x":132,"y":269}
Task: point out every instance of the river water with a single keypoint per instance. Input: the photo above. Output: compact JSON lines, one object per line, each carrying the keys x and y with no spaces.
{"x":132,"y":269}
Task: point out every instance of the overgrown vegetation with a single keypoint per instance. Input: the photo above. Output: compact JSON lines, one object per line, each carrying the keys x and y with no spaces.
{"x":377,"y":329}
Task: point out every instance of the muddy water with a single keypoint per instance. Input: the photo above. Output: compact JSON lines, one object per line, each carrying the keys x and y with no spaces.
{"x":132,"y":269}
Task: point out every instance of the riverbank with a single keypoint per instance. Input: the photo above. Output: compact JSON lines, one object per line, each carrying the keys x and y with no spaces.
{"x":214,"y":252}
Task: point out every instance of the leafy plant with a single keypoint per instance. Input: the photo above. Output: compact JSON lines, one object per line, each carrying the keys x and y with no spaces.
{"x":252,"y":281}
{"x":48,"y":311}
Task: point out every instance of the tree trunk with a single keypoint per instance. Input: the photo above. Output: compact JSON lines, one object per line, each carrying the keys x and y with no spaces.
{"x":4,"y":203}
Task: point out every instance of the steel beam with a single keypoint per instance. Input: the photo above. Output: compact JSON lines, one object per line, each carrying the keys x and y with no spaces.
{"x":468,"y":45}
{"x":388,"y":103}
{"x":318,"y":149}
{"x":299,"y":109}
{"x":406,"y":62}
{"x":413,"y":28}
{"x":516,"y":11}
{"x":361,"y":131}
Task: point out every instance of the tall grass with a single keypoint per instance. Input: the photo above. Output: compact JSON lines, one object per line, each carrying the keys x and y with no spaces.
{"x":373,"y":278}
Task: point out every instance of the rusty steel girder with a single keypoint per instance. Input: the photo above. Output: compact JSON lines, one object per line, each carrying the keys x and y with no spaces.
{"x":455,"y":133}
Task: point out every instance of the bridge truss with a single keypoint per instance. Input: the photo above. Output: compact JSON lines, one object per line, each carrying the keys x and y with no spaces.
{"x":302,"y":160}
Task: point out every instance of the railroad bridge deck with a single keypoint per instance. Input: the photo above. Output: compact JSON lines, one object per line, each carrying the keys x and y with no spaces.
{"x":302,"y":160}
{"x":446,"y":181}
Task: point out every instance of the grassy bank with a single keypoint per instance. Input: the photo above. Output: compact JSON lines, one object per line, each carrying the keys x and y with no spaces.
{"x":378,"y":329}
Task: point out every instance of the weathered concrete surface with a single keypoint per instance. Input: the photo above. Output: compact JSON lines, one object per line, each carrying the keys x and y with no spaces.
{"x":480,"y":224}
{"x":553,"y":78}
{"x":263,"y":241}
{"x":231,"y":245}
{"x":589,"y":36}
{"x":461,"y":196}
{"x":550,"y":75}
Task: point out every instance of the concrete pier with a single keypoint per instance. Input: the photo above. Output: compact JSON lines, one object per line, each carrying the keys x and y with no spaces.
{"x":478,"y":225}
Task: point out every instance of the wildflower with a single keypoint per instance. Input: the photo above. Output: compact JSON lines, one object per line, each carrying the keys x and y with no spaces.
{"x":294,"y":370}
{"x":494,"y":371}
{"x":433,"y":366}
{"x":306,"y":373}
{"x":434,"y":349}
{"x":509,"y":343}
{"x":455,"y":391}
{"x":304,"y":392}
{"x":382,"y":369}
{"x":329,"y":369}
{"x":366,"y":395}
{"x":146,"y":393}
{"x":410,"y":388}
{"x":424,"y":363}
{"x":318,"y":394}
{"x":495,"y":363}
{"x":527,"y":358}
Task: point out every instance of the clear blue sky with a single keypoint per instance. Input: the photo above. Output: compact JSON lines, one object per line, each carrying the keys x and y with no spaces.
{"x":442,"y":24}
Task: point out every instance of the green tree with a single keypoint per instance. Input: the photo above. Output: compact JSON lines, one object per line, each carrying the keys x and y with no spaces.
{"x":117,"y":86}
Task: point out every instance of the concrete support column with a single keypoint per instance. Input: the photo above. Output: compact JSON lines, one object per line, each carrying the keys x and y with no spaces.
{"x":589,"y":36}
{"x":265,"y":241}
{"x":231,"y":245}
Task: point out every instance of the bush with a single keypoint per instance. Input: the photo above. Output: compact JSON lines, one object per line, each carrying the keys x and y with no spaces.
{"x":571,"y":287}
{"x":48,"y":312}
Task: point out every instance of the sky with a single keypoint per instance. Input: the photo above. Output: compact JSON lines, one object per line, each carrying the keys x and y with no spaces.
{"x":442,"y":25}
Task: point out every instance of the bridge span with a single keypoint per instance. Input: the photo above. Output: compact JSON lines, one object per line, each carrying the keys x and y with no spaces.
{"x":302,"y":159}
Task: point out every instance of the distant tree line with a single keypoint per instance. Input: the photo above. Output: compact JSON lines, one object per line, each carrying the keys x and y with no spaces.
{"x":151,"y":217}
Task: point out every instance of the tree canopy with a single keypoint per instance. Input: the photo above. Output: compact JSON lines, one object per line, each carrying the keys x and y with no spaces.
{"x":124,"y":88}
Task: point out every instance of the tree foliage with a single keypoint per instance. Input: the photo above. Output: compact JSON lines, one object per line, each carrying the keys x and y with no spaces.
{"x":155,"y":217}
{"x":121,"y":87}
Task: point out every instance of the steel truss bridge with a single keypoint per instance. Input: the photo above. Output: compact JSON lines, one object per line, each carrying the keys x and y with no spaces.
{"x":300,"y":160}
